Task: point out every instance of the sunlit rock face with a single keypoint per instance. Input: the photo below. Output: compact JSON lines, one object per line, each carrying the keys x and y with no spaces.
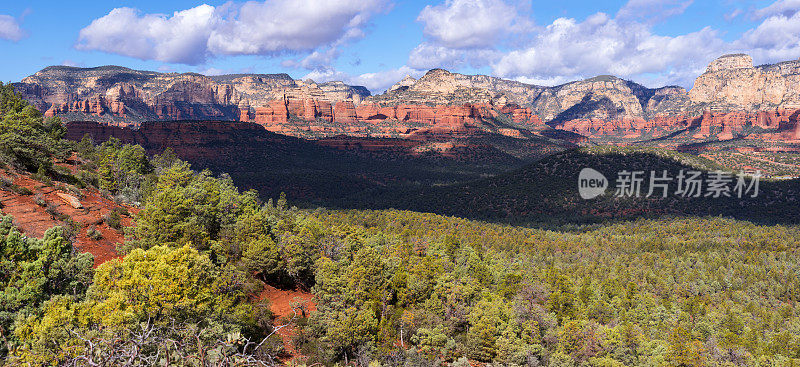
{"x":730,"y":96}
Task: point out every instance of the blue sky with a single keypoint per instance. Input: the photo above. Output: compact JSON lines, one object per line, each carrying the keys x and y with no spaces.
{"x":377,"y":42}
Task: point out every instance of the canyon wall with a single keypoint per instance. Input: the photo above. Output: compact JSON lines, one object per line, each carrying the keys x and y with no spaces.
{"x":730,"y":99}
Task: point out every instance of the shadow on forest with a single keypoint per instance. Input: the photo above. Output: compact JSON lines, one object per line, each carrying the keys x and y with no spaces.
{"x":545,"y":194}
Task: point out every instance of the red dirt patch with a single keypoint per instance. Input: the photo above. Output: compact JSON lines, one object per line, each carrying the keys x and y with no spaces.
{"x":281,"y":302}
{"x":34,"y":219}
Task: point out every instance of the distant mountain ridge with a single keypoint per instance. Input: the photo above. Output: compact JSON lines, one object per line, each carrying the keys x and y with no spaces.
{"x":732,"y":93}
{"x":123,"y":96}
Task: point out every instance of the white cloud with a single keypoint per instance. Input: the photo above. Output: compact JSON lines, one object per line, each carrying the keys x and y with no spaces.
{"x":375,"y":82}
{"x":652,"y":10}
{"x":213,"y":71}
{"x":786,"y":8}
{"x":286,"y":25}
{"x":624,"y":45}
{"x":10,"y":28}
{"x":777,"y":38}
{"x":467,"y":32}
{"x":253,"y":28}
{"x":733,"y":14}
{"x":181,"y":38}
{"x":326,"y":75}
{"x":316,"y":60}
{"x":457,"y":33}
{"x":602,"y":45}
{"x":429,"y":56}
{"x":547,"y":81}
{"x":471,"y":23}
{"x":381,"y":81}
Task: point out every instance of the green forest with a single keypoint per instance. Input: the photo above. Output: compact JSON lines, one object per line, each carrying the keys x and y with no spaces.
{"x":391,"y":287}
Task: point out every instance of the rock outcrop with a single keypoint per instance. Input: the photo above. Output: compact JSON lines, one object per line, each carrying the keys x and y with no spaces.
{"x":729,"y":97}
{"x":732,"y":82}
{"x":403,"y":83}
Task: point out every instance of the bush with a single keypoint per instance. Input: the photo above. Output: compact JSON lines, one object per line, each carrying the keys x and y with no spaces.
{"x":93,"y":233}
{"x":36,"y":271}
{"x":7,"y":184}
{"x":160,"y":305}
{"x":21,"y":190}
{"x":113,"y":219}
{"x":40,"y":201}
{"x":42,"y":175}
{"x":52,"y":209}
{"x":27,"y":141}
{"x":87,"y":178}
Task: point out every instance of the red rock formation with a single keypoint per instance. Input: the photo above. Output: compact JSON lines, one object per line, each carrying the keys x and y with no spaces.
{"x":389,"y":120}
{"x":309,"y":110}
{"x":521,"y":115}
{"x":367,"y":111}
{"x":295,"y":106}
{"x":790,"y":128}
{"x":275,"y":114}
{"x":416,"y":113}
{"x":705,"y":125}
{"x":245,"y":115}
{"x":344,"y":112}
{"x":324,"y":110}
{"x":97,"y":106}
{"x":720,"y":125}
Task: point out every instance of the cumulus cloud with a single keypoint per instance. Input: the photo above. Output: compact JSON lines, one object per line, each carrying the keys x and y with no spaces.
{"x":254,"y":28}
{"x":381,"y":81}
{"x":316,"y":60}
{"x":10,"y":28}
{"x":280,"y":25}
{"x":602,"y":45}
{"x":181,"y":38}
{"x":467,"y":32}
{"x":471,"y":23}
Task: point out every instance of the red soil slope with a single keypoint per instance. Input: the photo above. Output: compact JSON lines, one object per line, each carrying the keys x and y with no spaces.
{"x":34,"y":219}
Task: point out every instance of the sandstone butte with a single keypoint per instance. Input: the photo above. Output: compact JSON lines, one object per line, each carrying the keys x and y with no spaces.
{"x":727,"y":100}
